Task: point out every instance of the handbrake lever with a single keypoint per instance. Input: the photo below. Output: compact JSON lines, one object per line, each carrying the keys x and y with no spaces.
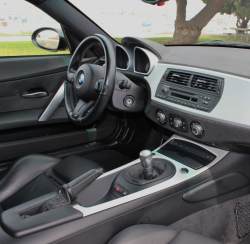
{"x":74,"y":187}
{"x":70,"y":190}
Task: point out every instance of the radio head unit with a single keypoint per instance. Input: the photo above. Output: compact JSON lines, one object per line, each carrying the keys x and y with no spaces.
{"x":190,"y":89}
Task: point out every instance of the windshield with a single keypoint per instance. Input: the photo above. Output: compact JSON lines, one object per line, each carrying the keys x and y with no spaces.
{"x":176,"y":22}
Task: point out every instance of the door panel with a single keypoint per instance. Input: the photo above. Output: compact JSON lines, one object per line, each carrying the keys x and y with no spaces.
{"x":21,"y":132}
{"x":30,"y":117}
{"x":11,"y":92}
{"x":15,"y":68}
{"x":48,"y":139}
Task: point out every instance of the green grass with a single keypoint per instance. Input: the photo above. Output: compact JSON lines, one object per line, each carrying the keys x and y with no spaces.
{"x":27,"y":48}
{"x":24,"y":48}
{"x":22,"y":33}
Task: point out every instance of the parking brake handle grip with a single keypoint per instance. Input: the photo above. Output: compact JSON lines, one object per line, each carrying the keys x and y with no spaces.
{"x":74,"y":187}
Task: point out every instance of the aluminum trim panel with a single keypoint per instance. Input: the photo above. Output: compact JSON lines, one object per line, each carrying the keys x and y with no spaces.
{"x":152,"y":60}
{"x":177,"y":178}
{"x":232,"y":107}
{"x":53,"y":105}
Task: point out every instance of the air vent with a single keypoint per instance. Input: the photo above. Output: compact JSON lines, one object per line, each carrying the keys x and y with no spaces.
{"x":178,"y":78}
{"x":204,"y":83}
{"x":100,"y":61}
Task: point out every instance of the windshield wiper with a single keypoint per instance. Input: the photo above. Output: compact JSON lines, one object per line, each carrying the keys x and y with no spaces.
{"x":223,"y":44}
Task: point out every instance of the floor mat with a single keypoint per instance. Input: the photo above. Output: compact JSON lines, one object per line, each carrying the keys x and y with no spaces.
{"x":242,"y":213}
{"x":109,"y":159}
{"x":218,"y":222}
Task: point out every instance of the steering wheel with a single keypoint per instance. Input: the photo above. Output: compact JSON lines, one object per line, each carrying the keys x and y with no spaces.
{"x":89,"y":87}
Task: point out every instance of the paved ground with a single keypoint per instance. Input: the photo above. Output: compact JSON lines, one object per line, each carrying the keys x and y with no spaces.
{"x":14,"y":38}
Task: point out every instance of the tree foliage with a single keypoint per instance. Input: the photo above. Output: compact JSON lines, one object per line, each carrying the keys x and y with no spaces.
{"x":239,"y":8}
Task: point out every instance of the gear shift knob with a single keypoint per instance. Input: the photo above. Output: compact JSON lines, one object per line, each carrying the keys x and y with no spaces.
{"x":146,"y":157}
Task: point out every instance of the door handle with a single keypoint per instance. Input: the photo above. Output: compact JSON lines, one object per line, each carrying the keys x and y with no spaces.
{"x":34,"y":93}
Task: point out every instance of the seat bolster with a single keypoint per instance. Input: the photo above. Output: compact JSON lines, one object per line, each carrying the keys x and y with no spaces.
{"x":23,"y":171}
{"x":145,"y":234}
{"x":188,"y":237}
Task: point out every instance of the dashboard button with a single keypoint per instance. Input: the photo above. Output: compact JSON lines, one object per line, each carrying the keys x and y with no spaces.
{"x":184,"y":128}
{"x":164,"y":89}
{"x":184,"y":170}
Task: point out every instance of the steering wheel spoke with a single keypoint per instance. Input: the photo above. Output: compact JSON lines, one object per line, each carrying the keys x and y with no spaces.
{"x":82,"y":108}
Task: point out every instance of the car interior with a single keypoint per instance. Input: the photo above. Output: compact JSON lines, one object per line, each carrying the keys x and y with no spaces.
{"x":123,"y":143}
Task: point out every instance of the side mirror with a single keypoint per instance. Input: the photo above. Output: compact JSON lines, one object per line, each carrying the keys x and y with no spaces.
{"x":49,"y":39}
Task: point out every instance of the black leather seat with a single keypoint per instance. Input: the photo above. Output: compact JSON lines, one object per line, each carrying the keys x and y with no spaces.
{"x":158,"y":234}
{"x":35,"y":175}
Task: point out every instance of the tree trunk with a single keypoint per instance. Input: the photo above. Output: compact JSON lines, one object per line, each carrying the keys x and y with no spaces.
{"x":242,"y":23}
{"x":188,"y":32}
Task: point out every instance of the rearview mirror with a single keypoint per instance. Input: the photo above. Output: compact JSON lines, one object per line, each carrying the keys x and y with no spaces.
{"x":49,"y":39}
{"x":153,"y":2}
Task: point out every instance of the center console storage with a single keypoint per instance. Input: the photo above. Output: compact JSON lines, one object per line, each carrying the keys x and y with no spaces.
{"x":187,"y":153}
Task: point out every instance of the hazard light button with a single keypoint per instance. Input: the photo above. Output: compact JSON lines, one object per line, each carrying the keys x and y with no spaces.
{"x":119,"y":189}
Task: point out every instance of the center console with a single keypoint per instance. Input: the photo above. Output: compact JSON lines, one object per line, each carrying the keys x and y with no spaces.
{"x":175,"y":161}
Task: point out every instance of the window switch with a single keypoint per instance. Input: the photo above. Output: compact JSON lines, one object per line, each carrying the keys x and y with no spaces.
{"x":125,"y":193}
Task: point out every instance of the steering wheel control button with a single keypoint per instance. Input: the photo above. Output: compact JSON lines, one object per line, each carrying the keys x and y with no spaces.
{"x":70,"y":77}
{"x":197,"y":129}
{"x":161,"y":117}
{"x":178,"y":123}
{"x":98,"y":85}
{"x":129,"y":101}
{"x":75,"y":116}
{"x":184,"y":171}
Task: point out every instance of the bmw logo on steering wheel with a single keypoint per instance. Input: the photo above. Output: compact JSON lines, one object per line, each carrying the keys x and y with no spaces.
{"x":81,"y":79}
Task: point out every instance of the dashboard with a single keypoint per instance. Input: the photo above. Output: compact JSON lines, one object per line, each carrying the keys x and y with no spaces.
{"x":198,"y":92}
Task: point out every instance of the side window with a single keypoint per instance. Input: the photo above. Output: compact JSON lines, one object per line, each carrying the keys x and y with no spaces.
{"x":18,"y":20}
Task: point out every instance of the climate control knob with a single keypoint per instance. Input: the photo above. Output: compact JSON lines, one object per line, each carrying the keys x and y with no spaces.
{"x":161,"y":117}
{"x":177,"y":123}
{"x":197,"y":129}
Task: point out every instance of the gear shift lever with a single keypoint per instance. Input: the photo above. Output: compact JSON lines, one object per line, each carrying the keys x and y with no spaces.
{"x":146,"y":157}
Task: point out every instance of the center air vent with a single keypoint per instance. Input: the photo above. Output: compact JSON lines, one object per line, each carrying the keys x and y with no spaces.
{"x":205,"y":83}
{"x":178,"y":78}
